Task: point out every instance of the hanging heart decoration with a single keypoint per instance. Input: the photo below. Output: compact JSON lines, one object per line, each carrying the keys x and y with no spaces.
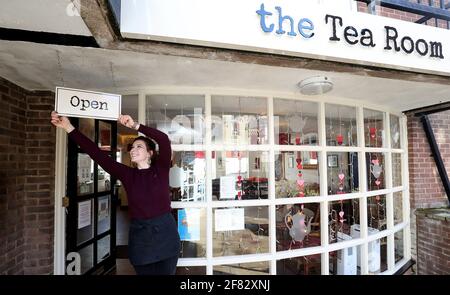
{"x":300,"y":180}
{"x":372,"y":132}
{"x":341,"y":176}
{"x":377,"y":182}
{"x":340,"y":139}
{"x":341,"y":215}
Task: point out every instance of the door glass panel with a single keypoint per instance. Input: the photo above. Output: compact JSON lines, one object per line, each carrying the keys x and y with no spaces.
{"x":374,"y":128}
{"x":295,"y":122}
{"x":87,"y":127}
{"x":191,"y":224}
{"x":340,"y":125}
{"x":240,"y":231}
{"x":85,"y":184}
{"x":297,"y":227}
{"x":239,"y":120}
{"x":252,"y":268}
{"x":342,"y":216}
{"x":181,"y":117}
{"x":342,"y":173}
{"x":292,"y":180}
{"x":85,"y":224}
{"x":103,"y":248}
{"x":87,"y":258}
{"x":240,"y":175}
{"x":104,"y":214}
{"x":304,"y":265}
{"x":187,"y":176}
{"x":103,"y":180}
{"x":345,"y":261}
{"x":104,"y":136}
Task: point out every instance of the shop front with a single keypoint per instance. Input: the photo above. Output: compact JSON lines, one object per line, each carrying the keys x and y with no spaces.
{"x":290,"y":145}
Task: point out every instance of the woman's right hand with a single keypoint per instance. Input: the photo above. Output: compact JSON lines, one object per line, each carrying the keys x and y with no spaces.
{"x":127,"y":121}
{"x":61,"y":122}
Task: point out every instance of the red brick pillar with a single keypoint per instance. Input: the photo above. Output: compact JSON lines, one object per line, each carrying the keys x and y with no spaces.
{"x":426,"y":188}
{"x":433,"y":241}
{"x":27,"y":152}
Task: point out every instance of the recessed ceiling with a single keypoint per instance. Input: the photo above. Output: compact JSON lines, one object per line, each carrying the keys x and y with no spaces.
{"x":43,"y":67}
{"x":54,"y":16}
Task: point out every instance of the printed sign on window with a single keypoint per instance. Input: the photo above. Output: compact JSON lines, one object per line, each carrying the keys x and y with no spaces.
{"x":229,"y":219}
{"x":84,"y":214}
{"x":189,"y":224}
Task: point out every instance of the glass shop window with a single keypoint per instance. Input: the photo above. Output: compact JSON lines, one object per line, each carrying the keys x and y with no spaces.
{"x":341,"y":129}
{"x":303,"y":265}
{"x":240,"y":230}
{"x":345,"y":261}
{"x":295,"y":122}
{"x":398,"y":207}
{"x":375,"y":171}
{"x":376,"y":214}
{"x":343,"y":220}
{"x":399,"y":245}
{"x":187,"y":176}
{"x":250,"y":268}
{"x":342,"y":172}
{"x":181,"y":117}
{"x":396,"y":169}
{"x":240,"y":175}
{"x":374,"y":134}
{"x":395,"y":131}
{"x":296,"y":174}
{"x":297,"y":226}
{"x":377,"y":258}
{"x":191,"y":223}
{"x":239,"y":120}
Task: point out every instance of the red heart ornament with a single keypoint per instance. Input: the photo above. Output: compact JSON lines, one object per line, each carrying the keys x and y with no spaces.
{"x":340,"y":139}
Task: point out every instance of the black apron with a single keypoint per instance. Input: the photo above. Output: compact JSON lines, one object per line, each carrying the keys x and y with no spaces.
{"x":152,"y":240}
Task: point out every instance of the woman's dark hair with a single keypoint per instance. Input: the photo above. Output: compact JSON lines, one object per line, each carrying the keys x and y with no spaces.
{"x":151,"y":146}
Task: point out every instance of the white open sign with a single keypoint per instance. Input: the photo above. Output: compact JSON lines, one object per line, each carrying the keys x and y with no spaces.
{"x":87,"y":104}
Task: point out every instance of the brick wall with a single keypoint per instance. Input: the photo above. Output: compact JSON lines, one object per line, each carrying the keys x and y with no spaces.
{"x":12,"y":178}
{"x":426,"y":188}
{"x":27,"y":148}
{"x":433,"y":241}
{"x":406,"y":16}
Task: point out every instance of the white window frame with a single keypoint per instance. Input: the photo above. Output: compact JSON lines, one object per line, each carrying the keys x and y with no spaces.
{"x":272,"y":256}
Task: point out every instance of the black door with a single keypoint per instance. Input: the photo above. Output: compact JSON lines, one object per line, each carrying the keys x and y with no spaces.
{"x":91,"y":214}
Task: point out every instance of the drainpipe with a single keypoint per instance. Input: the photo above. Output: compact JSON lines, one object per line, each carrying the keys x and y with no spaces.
{"x":436,"y":153}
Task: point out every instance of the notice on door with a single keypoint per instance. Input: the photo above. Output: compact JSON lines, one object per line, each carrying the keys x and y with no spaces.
{"x":87,"y":104}
{"x":84,"y":214}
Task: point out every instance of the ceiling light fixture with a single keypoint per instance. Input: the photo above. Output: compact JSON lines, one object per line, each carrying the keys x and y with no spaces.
{"x":315,"y":85}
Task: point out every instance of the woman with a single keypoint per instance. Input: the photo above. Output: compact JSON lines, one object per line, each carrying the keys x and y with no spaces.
{"x":154,"y":243}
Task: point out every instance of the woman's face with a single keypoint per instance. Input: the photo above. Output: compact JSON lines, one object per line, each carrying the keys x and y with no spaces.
{"x":139,"y":153}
